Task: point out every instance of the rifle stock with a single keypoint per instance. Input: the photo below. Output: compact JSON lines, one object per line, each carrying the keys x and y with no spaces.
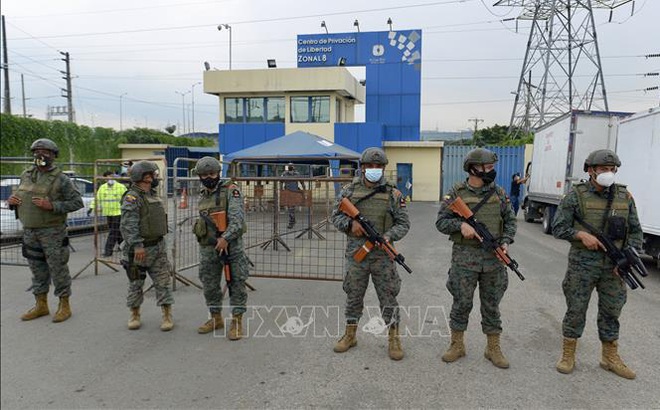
{"x":488,"y":242}
{"x":374,"y":238}
{"x":219,"y":221}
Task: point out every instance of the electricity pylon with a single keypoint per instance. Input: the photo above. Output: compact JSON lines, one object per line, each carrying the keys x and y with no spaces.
{"x":562,"y":70}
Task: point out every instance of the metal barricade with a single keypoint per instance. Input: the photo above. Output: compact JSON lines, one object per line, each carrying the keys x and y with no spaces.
{"x":311,"y":249}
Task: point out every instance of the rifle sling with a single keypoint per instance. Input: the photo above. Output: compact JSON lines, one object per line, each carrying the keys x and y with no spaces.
{"x":482,"y":202}
{"x":377,"y":190}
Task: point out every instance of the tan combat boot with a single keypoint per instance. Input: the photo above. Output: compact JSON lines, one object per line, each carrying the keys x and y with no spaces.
{"x":611,"y":361}
{"x":567,"y":362}
{"x":494,"y":353}
{"x":39,"y":309}
{"x":63,"y":310}
{"x":134,"y":321}
{"x":456,"y":348}
{"x":395,"y":350}
{"x":214,"y":323}
{"x":236,"y":329}
{"x":167,"y":324}
{"x":348,"y":340}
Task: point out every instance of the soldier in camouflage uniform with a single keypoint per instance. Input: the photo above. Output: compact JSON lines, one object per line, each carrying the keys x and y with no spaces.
{"x":610,"y":208}
{"x":384,"y":205}
{"x":471,"y":264}
{"x":143,"y":227}
{"x":221,"y":196}
{"x":43,"y":199}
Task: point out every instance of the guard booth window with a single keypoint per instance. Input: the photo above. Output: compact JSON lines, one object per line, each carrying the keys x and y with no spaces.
{"x":310,"y":109}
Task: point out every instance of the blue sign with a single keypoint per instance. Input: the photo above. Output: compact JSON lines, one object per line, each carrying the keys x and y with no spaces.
{"x":393,"y":61}
{"x":360,"y":49}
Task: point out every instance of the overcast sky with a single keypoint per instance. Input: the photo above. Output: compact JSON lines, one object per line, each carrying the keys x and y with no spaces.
{"x":151,"y":49}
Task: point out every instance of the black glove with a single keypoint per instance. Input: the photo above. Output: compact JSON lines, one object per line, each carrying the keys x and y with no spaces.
{"x":89,"y":211}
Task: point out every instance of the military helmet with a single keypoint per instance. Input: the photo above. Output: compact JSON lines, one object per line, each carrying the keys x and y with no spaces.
{"x":601,"y":157}
{"x":373,"y":155}
{"x":207,"y":165}
{"x":478,"y":156}
{"x":140,"y":168}
{"x":45,"y":143}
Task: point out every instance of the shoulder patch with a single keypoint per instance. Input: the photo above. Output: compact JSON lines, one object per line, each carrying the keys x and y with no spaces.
{"x":130,"y":198}
{"x":235,"y":193}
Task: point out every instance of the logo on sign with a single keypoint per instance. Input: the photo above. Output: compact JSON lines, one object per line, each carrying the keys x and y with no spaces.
{"x":378,"y":50}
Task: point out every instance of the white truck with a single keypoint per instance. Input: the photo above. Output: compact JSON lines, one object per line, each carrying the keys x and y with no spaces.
{"x":560,"y":148}
{"x":638,"y":147}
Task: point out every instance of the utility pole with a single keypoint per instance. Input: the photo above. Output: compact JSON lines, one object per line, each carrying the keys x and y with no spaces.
{"x":193,"y":105}
{"x":476,"y":124}
{"x":183,"y":108}
{"x":5,"y":66}
{"x":23,"y":95}
{"x":68,"y":94}
{"x":121,"y":112}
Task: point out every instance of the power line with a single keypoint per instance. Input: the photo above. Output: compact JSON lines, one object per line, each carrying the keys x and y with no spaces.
{"x":267,"y":20}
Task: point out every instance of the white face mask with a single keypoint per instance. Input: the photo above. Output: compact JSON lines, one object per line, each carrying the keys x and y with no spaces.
{"x":605,"y":179}
{"x":111,"y":182}
{"x":373,"y":174}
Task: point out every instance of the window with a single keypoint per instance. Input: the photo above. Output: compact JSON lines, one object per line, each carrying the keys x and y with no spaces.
{"x":310,"y":109}
{"x":233,"y":110}
{"x":255,"y":109}
{"x":320,"y":109}
{"x":299,"y":109}
{"x":337,"y":109}
{"x":275,"y":109}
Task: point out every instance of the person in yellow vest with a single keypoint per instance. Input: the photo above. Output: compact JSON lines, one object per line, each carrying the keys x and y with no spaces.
{"x":108,"y":201}
{"x":610,"y":208}
{"x":43,"y":199}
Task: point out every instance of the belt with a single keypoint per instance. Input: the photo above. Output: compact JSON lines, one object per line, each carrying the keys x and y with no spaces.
{"x":153,"y":242}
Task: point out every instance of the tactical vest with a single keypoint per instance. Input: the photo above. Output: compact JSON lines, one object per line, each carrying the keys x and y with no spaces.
{"x":215,"y":202}
{"x":490,"y":214}
{"x":153,"y":218}
{"x":47,"y":185}
{"x":376,"y":209}
{"x":592,"y":209}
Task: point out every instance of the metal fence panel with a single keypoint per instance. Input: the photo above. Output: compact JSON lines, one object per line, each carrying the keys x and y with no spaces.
{"x":510,"y":160}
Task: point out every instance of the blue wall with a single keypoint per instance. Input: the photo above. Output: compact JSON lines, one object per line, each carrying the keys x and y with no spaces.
{"x":393,"y":80}
{"x":235,"y":137}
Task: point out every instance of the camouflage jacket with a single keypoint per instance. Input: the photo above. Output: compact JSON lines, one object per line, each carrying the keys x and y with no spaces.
{"x":563,"y":223}
{"x":449,"y":223}
{"x":397,"y":210}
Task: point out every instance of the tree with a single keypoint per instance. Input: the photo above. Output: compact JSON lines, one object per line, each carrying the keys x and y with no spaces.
{"x":170,"y":129}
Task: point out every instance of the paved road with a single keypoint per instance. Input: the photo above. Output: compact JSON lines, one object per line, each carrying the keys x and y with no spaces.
{"x":93,"y":361}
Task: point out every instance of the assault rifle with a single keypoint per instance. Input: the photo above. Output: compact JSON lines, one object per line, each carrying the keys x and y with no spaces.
{"x":217,"y":221}
{"x":626,"y":260}
{"x":373,"y":237}
{"x":488,"y":242}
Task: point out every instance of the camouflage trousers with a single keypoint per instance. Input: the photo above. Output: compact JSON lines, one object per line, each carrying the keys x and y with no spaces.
{"x":588,"y":270}
{"x":211,"y":274}
{"x":47,"y":252}
{"x":472,"y":266}
{"x":159,"y":270}
{"x":387,"y":284}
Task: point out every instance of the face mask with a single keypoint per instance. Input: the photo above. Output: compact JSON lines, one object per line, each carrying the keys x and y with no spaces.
{"x":373,"y":174}
{"x":210,"y":183}
{"x":42,"y":160}
{"x":605,"y":179}
{"x":111,"y":182}
{"x":487,"y":177}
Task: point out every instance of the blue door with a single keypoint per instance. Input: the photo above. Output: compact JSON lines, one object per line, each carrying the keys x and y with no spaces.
{"x":404,"y":180}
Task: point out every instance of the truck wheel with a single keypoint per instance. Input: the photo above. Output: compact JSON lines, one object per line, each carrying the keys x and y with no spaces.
{"x":548,"y":214}
{"x":528,"y":212}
